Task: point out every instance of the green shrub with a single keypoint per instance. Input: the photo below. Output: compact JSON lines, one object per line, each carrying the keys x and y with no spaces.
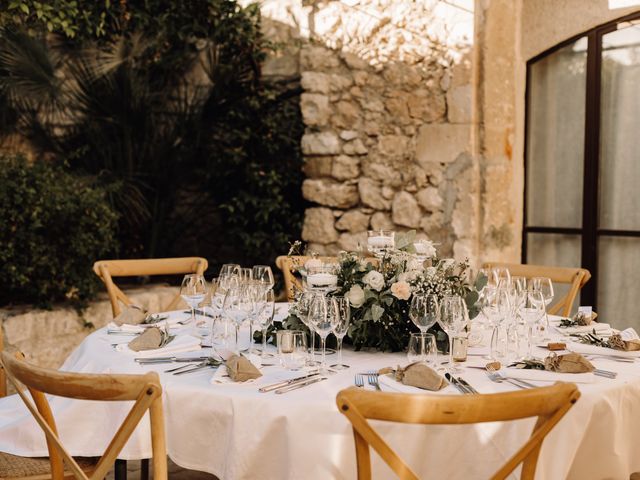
{"x":54,"y":226}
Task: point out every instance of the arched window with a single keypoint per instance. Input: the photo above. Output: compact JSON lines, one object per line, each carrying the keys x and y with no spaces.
{"x":582,"y":164}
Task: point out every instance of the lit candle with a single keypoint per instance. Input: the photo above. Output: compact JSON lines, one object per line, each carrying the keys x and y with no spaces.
{"x":322,"y":280}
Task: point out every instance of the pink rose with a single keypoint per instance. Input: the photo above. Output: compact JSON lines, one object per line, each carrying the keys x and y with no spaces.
{"x":401,"y":290}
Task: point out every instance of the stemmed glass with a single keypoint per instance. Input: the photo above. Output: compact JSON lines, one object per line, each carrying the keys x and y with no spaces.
{"x":453,"y":320}
{"x":544,"y":285}
{"x":229,"y":269}
{"x":246,"y":275}
{"x":531,"y":311}
{"x":422,"y":348}
{"x":302,"y":308}
{"x":502,"y":276}
{"x":193,"y":291}
{"x":238,"y":305}
{"x":264,"y":318}
{"x":424,"y":311}
{"x":340,"y":326}
{"x":263,"y":275}
{"x":322,"y":316}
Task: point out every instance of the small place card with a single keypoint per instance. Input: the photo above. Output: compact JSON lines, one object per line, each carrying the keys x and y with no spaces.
{"x":586,"y":311}
{"x":629,"y":334}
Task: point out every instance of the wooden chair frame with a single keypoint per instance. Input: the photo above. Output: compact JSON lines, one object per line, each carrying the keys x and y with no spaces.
{"x":145,"y":390}
{"x":549,"y":404}
{"x":107,"y":269}
{"x":575,"y":277}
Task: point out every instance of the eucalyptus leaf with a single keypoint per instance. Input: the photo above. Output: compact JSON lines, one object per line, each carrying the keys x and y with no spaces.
{"x":481,"y":281}
{"x":376,"y":312}
{"x":403,"y":240}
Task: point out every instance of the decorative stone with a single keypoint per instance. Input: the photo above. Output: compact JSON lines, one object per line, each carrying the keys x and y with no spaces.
{"x":371,"y":195}
{"x":351,"y":242}
{"x":405,"y":210}
{"x":348,"y":112}
{"x":355,"y":147}
{"x":348,"y":135}
{"x":315,"y":82}
{"x":340,"y":83}
{"x":429,"y":198}
{"x":388,"y":192}
{"x":281,"y":66}
{"x":330,"y":193}
{"x":318,"y":226}
{"x":323,"y":143}
{"x":315,"y":108}
{"x":459,"y":105}
{"x":353,"y":221}
{"x":441,"y":143}
{"x":427,"y":105}
{"x":381,"y":221}
{"x":345,"y":167}
{"x":393,"y":145}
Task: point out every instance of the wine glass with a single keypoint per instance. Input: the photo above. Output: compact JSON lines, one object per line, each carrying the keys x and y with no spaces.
{"x":424,"y":311}
{"x":229,"y":269}
{"x":531,"y":311}
{"x":545,"y":286}
{"x":340,"y":327}
{"x":302,"y":308}
{"x":193,"y":290}
{"x":264,"y":317}
{"x":264,"y":276}
{"x":219,"y":335}
{"x":502,"y":276}
{"x":237,"y":307}
{"x":246,"y":275}
{"x":453,"y":320}
{"x":422,"y":348}
{"x":322,"y":316}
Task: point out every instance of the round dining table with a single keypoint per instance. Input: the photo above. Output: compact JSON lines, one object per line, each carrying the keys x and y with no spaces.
{"x":234,"y":431}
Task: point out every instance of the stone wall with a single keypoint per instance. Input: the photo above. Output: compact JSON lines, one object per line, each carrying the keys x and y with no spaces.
{"x":387,"y":109}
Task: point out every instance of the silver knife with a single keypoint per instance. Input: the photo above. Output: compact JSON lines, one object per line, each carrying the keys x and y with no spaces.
{"x":456,"y":383}
{"x":143,"y":360}
{"x":466,"y":384}
{"x":300,"y":385}
{"x":275,"y":386}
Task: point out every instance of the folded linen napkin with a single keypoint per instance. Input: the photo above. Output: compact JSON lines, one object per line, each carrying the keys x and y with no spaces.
{"x":587,"y":349}
{"x":418,"y":375}
{"x":131,"y":315}
{"x":236,"y":369}
{"x":182,"y":343}
{"x":150,"y":339}
{"x":546,"y":376}
{"x":389,"y":383}
{"x":568,"y":363}
{"x":124,"y":328}
{"x":627,"y":340}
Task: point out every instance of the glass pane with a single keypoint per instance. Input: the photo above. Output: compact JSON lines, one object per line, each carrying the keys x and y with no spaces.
{"x":555,"y":137}
{"x":555,"y":250}
{"x":619,"y":275}
{"x":619,"y":139}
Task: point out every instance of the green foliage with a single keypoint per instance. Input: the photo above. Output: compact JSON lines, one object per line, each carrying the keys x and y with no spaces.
{"x":55,"y":225}
{"x":166,"y":111}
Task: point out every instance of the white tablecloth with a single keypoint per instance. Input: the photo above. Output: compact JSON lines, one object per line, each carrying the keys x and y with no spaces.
{"x":235,"y":432}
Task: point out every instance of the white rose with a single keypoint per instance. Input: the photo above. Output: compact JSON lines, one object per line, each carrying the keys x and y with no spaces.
{"x":401,"y":290}
{"x":356,"y":296}
{"x":375,"y":280}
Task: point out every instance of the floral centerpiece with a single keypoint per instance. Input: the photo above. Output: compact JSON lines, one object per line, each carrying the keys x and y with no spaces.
{"x":380,"y":290}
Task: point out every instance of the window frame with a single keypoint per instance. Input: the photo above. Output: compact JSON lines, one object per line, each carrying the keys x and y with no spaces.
{"x":590,"y":232}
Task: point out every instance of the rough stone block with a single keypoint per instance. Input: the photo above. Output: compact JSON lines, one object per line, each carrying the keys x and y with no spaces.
{"x":459,"y":104}
{"x":351,"y":242}
{"x":441,"y":143}
{"x":318,"y":226}
{"x":315,"y":109}
{"x":393,"y":145}
{"x":330,"y":193}
{"x":371,"y":194}
{"x":381,"y":221}
{"x":318,"y":58}
{"x":429,"y":198}
{"x":427,"y":105}
{"x":405,"y":210}
{"x":315,"y":82}
{"x":316,"y":167}
{"x":345,"y":168}
{"x":323,"y":143}
{"x":355,"y":147}
{"x":353,"y":221}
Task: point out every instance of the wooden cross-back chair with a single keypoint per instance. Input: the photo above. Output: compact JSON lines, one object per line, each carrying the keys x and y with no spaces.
{"x":144,"y":390}
{"x":108,"y":269}
{"x":549,"y":404}
{"x":576,"y":278}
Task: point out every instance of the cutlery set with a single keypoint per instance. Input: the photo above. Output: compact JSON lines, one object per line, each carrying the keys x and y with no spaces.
{"x":293,"y":384}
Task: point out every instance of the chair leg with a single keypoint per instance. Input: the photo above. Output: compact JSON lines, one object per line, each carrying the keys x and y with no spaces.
{"x":144,"y":469}
{"x":120,"y":470}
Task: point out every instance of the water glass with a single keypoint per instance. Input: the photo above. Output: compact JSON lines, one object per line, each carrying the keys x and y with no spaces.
{"x":340,"y":326}
{"x":193,"y":291}
{"x":292,"y":349}
{"x":422,"y":348}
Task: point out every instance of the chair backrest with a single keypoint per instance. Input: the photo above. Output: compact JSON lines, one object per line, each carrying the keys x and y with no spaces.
{"x":289,"y":265}
{"x":576,"y":278}
{"x":107,"y":269}
{"x":549,"y":404}
{"x":144,"y":390}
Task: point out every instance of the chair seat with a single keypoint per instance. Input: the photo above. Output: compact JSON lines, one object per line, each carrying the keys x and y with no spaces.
{"x":33,"y":468}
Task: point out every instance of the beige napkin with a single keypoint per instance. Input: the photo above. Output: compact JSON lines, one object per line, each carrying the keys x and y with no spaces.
{"x":568,"y":363}
{"x":618,"y":343}
{"x":240,"y":369}
{"x":148,"y":340}
{"x":131,"y":315}
{"x":418,"y":375}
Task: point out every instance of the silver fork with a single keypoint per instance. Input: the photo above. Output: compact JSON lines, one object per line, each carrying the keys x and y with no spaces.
{"x":495,"y":376}
{"x":359,"y":380}
{"x":373,"y":380}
